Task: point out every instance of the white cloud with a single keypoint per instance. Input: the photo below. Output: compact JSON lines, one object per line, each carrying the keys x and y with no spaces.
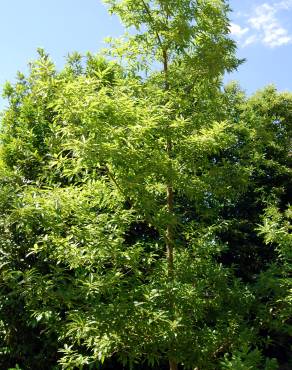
{"x":284,"y":4}
{"x":237,"y":31}
{"x":250,"y":40}
{"x":263,"y":17}
{"x":269,"y":28}
{"x":264,"y":26}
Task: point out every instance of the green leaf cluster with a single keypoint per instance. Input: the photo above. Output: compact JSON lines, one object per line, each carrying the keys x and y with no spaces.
{"x":144,"y":217}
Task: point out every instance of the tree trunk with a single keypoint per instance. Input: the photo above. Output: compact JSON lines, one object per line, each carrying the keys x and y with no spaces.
{"x":170,"y":208}
{"x":172,"y":365}
{"x":169,"y":233}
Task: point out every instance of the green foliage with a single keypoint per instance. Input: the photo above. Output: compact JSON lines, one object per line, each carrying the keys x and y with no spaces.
{"x":134,"y":219}
{"x":193,"y":33}
{"x":247,"y":359}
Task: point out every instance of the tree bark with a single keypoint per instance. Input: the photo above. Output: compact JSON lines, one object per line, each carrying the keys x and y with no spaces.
{"x":169,"y":229}
{"x":169,"y":191}
{"x":170,"y":208}
{"x":172,"y":365}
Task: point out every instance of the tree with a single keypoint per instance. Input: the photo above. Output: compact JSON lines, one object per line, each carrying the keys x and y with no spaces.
{"x":132,"y":192}
{"x":163,"y":139}
{"x":165,"y":147}
{"x":263,"y":124}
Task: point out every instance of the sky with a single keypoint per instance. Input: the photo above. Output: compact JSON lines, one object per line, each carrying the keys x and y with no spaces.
{"x":262,"y":30}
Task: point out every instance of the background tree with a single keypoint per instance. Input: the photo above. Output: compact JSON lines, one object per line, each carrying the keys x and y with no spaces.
{"x":265,"y":121}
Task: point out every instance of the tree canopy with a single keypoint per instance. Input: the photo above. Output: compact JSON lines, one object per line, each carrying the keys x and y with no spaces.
{"x":144,"y":207}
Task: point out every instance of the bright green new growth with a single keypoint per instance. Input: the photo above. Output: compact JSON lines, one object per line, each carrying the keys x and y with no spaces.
{"x":181,"y":36}
{"x":121,"y":189}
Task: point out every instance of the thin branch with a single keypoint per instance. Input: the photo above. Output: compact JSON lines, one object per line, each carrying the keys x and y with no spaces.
{"x":146,"y":7}
{"x":113,"y":179}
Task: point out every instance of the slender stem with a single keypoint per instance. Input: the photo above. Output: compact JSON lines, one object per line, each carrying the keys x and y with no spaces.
{"x":172,"y":365}
{"x":169,"y":187}
{"x":146,"y":7}
{"x":113,"y":179}
{"x":169,"y":229}
{"x":170,"y":209}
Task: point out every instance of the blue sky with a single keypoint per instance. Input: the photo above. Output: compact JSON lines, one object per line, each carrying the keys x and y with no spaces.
{"x":263,"y":30}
